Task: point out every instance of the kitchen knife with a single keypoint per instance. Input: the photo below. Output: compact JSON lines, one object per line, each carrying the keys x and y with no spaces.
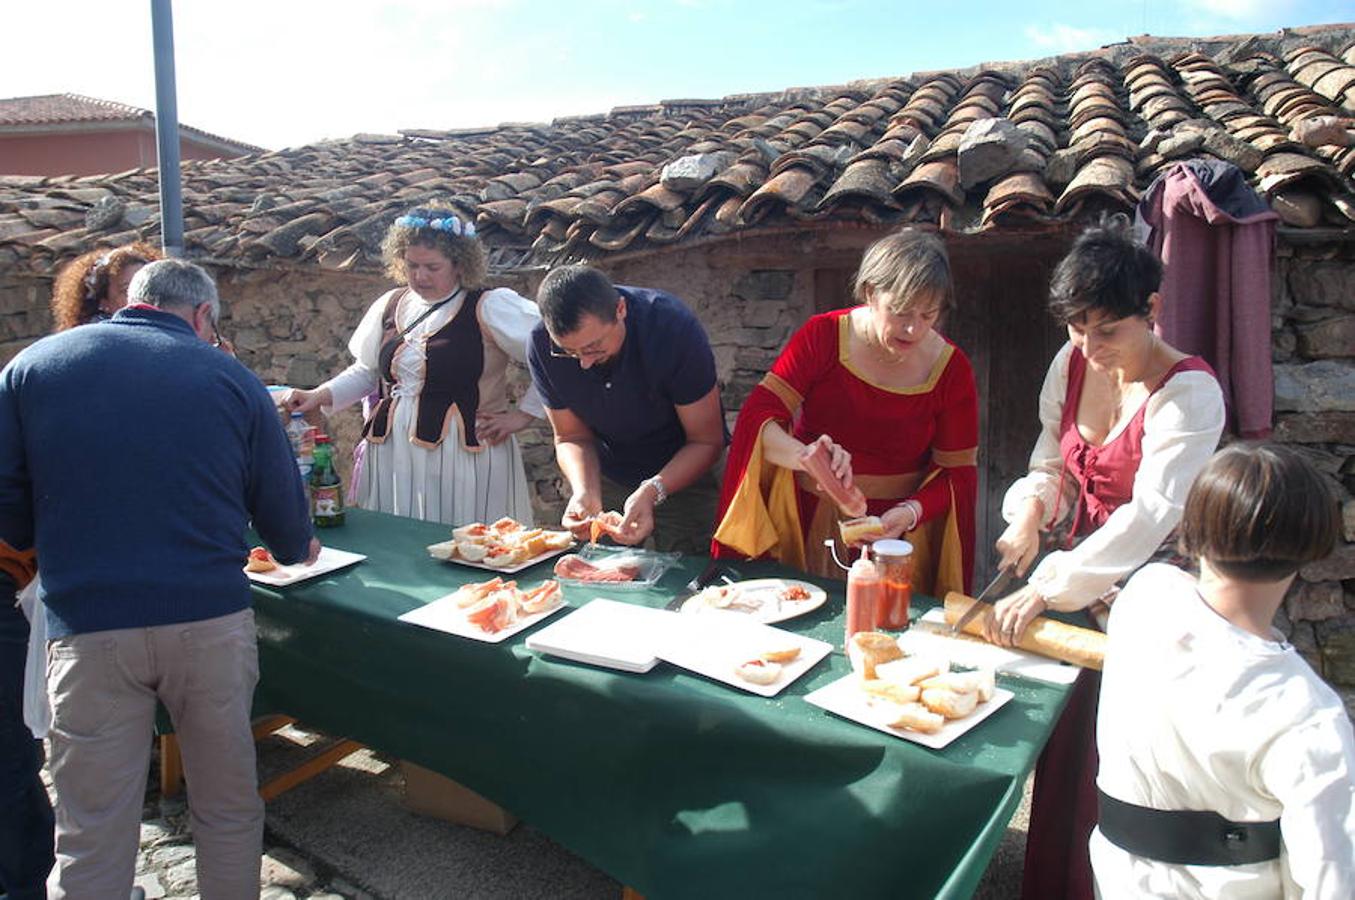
{"x":712,"y":573}
{"x":1000,"y":582}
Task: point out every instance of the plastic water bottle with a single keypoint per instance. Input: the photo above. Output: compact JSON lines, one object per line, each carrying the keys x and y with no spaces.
{"x":302,"y":438}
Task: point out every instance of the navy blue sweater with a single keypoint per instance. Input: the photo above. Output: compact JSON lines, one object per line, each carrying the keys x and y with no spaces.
{"x":133,"y":456}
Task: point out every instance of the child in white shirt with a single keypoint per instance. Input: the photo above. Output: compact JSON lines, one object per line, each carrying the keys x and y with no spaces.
{"x":1227,"y":765}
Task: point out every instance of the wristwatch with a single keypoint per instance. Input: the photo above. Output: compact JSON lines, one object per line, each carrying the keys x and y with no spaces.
{"x":660,"y":492}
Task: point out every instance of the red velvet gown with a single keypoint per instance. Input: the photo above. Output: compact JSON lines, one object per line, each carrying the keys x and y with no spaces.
{"x":916,"y":443}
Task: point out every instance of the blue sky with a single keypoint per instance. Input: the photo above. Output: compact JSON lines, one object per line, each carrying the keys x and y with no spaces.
{"x":288,"y":72}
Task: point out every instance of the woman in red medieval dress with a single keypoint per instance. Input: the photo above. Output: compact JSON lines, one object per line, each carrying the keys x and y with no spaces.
{"x":895,"y":404}
{"x":1128,"y":422}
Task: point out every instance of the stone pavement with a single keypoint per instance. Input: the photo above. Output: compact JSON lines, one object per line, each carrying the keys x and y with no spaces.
{"x":344,"y":835}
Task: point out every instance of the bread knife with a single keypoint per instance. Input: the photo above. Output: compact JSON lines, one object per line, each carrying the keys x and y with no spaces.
{"x":1000,"y":581}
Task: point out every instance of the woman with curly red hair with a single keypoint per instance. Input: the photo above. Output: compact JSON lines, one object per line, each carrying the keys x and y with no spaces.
{"x":94,"y":286}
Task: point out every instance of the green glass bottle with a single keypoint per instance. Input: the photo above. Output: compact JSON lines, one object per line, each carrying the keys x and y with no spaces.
{"x":326,"y":488}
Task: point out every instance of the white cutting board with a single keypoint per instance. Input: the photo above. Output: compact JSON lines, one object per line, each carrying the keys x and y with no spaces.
{"x":606,"y":633}
{"x":932,"y":634}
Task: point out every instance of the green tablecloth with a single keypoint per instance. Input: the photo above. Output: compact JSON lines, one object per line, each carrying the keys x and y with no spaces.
{"x":673,"y":784}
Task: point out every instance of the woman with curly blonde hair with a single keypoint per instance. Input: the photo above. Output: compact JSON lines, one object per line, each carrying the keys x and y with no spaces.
{"x":94,"y":286}
{"x":440,"y":441}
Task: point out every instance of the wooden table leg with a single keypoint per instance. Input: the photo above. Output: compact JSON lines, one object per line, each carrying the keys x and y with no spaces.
{"x":171,"y":766}
{"x":309,"y":769}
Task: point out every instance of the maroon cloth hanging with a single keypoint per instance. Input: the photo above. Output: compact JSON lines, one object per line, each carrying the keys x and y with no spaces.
{"x":1215,"y":238}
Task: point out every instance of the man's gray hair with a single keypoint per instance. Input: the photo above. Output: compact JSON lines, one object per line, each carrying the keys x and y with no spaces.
{"x":174,"y":283}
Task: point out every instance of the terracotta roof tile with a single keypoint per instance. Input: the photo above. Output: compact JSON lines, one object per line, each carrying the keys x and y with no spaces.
{"x":1091,"y":131}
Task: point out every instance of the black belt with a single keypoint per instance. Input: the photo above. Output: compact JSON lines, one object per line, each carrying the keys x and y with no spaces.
{"x":1187,"y":837}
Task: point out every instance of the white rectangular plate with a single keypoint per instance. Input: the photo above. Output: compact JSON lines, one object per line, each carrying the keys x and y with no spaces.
{"x":328,"y":561}
{"x":931,"y":634}
{"x":844,"y":698}
{"x":606,"y":633}
{"x":510,"y":570}
{"x":443,"y":614}
{"x":715,"y":646}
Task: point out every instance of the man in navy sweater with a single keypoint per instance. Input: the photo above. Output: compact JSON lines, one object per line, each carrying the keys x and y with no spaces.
{"x":133,"y":456}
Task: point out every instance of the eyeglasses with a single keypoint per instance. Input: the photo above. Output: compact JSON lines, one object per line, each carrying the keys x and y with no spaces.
{"x":220,"y":342}
{"x":595,"y":349}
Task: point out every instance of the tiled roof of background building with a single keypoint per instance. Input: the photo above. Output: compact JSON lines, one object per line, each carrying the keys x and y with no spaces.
{"x":37,"y":113}
{"x":1069,"y":135}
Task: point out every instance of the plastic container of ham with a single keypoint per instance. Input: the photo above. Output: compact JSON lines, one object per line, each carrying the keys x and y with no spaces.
{"x":648,"y":567}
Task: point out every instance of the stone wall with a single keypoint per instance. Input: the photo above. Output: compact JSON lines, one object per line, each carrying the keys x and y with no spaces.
{"x":1314,"y":350}
{"x":292,"y":327}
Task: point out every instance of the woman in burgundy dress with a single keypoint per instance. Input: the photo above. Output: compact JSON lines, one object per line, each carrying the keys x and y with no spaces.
{"x":1128,"y":422}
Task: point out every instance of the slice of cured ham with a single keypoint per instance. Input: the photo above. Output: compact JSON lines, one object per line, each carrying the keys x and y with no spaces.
{"x":577,"y":569}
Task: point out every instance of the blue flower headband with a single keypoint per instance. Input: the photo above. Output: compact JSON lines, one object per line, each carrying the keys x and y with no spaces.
{"x":451,"y":225}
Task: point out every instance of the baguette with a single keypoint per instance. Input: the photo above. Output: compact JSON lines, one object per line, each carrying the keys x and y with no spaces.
{"x":1047,"y":637}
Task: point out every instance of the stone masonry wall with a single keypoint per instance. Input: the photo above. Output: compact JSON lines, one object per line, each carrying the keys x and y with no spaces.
{"x":1313,"y":308}
{"x":292,"y":327}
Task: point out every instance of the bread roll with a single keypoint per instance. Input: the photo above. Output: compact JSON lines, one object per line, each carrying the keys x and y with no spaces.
{"x":891,"y":691}
{"x":782,"y":654}
{"x":506,"y":525}
{"x":857,"y":531}
{"x":475,"y":531}
{"x":916,"y":717}
{"x":868,"y":649}
{"x":759,"y":671}
{"x":951,"y":704}
{"x":471,"y":552}
{"x":1045,"y":636}
{"x":260,"y":560}
{"x":980,"y":682}
{"x":911,"y":670}
{"x":557,"y":540}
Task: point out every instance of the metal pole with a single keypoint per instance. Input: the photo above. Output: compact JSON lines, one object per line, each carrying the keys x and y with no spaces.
{"x":167,"y":129}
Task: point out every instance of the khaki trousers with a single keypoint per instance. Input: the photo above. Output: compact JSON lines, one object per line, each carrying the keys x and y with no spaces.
{"x":103,"y":687}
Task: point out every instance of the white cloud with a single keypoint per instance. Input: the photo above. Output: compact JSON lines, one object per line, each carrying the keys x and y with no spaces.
{"x":1061,"y":38}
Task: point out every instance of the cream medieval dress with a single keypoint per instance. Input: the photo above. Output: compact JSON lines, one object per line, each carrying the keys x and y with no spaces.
{"x":447,"y":482}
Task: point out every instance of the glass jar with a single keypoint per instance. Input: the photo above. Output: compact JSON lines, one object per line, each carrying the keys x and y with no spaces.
{"x":894,"y":561}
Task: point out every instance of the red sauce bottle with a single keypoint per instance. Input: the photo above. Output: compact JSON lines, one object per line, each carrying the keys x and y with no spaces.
{"x":864,"y":588}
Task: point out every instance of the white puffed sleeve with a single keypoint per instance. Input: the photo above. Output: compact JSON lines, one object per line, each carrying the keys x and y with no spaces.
{"x":363,"y":376}
{"x":1045,"y":473}
{"x":511,"y":318}
{"x":1310,"y":771}
{"x":1181,"y":428}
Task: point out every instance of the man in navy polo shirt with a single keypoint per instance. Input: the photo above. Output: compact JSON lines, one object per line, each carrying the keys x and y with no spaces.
{"x":628,"y":379}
